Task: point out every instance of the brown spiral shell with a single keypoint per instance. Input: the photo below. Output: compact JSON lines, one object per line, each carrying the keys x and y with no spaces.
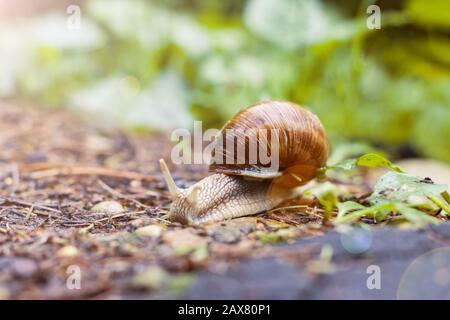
{"x":302,"y":143}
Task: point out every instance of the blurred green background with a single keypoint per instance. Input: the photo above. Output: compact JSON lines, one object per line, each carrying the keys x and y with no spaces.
{"x":153,"y":65}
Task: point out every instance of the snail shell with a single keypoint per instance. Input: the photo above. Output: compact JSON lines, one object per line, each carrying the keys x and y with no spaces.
{"x":302,"y":143}
{"x":245,"y":187}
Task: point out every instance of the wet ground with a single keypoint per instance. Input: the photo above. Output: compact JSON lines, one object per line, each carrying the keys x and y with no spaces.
{"x":80,"y":217}
{"x":397,"y":264}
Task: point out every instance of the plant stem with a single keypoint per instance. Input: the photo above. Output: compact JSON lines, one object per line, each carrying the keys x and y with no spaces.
{"x":441,"y":205}
{"x":288,"y":207}
{"x":446,"y":196}
{"x":353,"y":216}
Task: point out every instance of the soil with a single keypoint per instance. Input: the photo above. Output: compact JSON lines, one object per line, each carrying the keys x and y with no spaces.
{"x":54,"y":169}
{"x":81,"y":218}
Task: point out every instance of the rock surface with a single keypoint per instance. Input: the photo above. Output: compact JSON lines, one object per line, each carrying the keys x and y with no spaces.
{"x":400,"y":255}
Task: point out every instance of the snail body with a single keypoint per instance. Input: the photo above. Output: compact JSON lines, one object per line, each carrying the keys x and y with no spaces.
{"x":241,"y":187}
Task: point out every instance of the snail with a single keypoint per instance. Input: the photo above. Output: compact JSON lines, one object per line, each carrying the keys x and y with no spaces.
{"x":243,"y":188}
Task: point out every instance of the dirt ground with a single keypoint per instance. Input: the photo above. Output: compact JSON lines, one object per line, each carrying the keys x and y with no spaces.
{"x":80,"y":218}
{"x":55,"y":169}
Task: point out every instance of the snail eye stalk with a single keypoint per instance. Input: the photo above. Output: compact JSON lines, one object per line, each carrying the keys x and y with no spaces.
{"x":173,"y":189}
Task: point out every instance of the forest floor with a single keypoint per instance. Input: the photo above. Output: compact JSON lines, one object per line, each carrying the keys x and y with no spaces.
{"x":60,"y":239}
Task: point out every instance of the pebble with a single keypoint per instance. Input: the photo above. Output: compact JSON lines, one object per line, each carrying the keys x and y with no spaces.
{"x":151,"y":231}
{"x":108,"y":207}
{"x":67,"y":252}
{"x":23,"y":267}
{"x":4,"y":294}
{"x":150,"y":278}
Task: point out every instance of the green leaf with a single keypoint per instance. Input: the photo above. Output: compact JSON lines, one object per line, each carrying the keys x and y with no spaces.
{"x":327,"y":194}
{"x":445,"y":209}
{"x":375,"y":160}
{"x":352,"y":217}
{"x":348,"y":150}
{"x":380,"y":211}
{"x":394,"y":186}
{"x":346,"y":207}
{"x":366,"y":160}
{"x":415,"y":216}
{"x":391,"y":194}
{"x":268,"y":237}
{"x":347,"y":164}
{"x":367,"y":211}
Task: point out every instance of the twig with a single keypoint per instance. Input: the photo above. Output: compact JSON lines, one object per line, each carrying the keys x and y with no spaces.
{"x":29,"y":204}
{"x":30,"y":212}
{"x":120,"y":195}
{"x":88,"y":223}
{"x":64,"y":170}
{"x":86,"y":229}
{"x":120,"y":215}
{"x":287,"y":208}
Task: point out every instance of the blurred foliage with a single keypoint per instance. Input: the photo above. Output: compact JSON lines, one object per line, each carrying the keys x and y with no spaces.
{"x":395,"y":193}
{"x":142,"y":64}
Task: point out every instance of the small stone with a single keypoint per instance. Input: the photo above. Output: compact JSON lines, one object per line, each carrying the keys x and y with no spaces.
{"x":135,"y":184}
{"x":141,"y":222}
{"x":289,"y":233}
{"x":183,"y":238}
{"x":151,"y":231}
{"x":108,"y":207}
{"x":4,"y":293}
{"x":275,"y":224}
{"x":150,"y":278}
{"x":23,"y":267}
{"x":231,"y":231}
{"x":67,"y":252}
{"x":98,"y":143}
